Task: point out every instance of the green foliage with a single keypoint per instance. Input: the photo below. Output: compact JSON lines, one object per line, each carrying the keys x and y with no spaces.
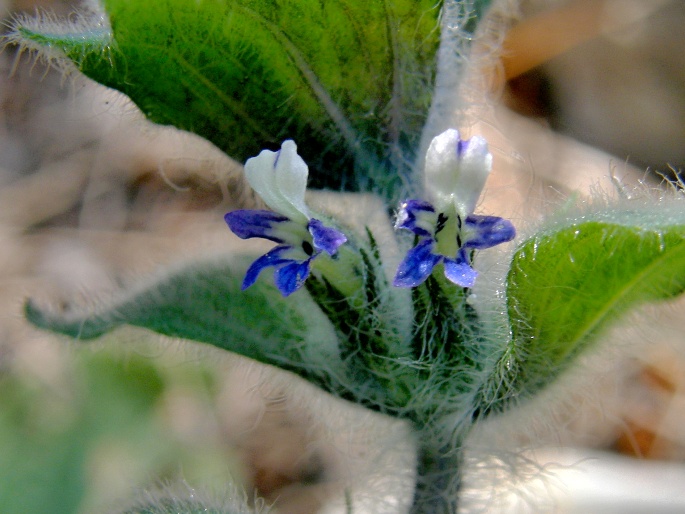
{"x":351,"y":81}
{"x":355,"y":348}
{"x":203,"y":302}
{"x":449,"y":350}
{"x":359,"y":356}
{"x":567,"y":285}
{"x":372,"y":333}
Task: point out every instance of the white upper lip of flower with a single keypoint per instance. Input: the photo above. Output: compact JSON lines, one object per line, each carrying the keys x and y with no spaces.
{"x":280,"y":179}
{"x":456,"y":171}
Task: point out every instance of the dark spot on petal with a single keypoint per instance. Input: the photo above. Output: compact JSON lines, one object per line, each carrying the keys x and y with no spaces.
{"x":308,"y":248}
{"x":442,"y":219}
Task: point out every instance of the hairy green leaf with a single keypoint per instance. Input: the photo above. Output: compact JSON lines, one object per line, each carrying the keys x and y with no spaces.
{"x":351,"y":81}
{"x":204,"y":303}
{"x":565,"y":286}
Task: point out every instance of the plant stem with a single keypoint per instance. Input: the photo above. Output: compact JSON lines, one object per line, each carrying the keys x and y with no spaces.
{"x":439,"y":480}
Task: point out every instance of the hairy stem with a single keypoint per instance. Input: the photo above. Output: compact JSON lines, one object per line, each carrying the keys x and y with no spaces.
{"x":439,"y":480}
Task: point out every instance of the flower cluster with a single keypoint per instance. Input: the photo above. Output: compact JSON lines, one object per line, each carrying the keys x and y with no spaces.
{"x":446,"y":229}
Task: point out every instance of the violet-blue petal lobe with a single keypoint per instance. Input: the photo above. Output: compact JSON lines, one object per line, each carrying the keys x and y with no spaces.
{"x":290,"y":277}
{"x":489,"y":231}
{"x":247,"y":223}
{"x":409,"y":217}
{"x":417,"y":265}
{"x":272,"y":258}
{"x":325,"y":238}
{"x":460,"y":272}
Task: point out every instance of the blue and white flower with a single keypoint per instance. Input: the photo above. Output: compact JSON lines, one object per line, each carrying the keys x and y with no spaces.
{"x":447,"y":230}
{"x":280,"y":179}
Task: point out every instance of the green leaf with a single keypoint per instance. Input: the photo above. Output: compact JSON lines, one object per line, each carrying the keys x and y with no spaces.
{"x":204,"y":302}
{"x":566,"y":286}
{"x":351,"y":81}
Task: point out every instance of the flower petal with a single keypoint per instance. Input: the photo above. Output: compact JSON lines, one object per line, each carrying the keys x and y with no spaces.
{"x":417,"y":265}
{"x":274,"y":257}
{"x":291,"y":176}
{"x":456,"y":171}
{"x":475,"y":163}
{"x":418,"y":216}
{"x":460,"y":272}
{"x":291,"y":277}
{"x":325,"y":238}
{"x":247,"y":223}
{"x":280,"y":179}
{"x":487,"y":231}
{"x":442,"y":168}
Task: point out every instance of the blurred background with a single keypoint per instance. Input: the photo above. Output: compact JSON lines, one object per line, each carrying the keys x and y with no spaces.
{"x":93,"y":198}
{"x":607,"y":73}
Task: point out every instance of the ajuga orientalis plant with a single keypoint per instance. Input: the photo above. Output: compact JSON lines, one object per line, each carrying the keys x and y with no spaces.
{"x":360,"y":96}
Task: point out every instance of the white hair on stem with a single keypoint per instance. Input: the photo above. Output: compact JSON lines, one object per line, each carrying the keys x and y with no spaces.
{"x":46,"y":36}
